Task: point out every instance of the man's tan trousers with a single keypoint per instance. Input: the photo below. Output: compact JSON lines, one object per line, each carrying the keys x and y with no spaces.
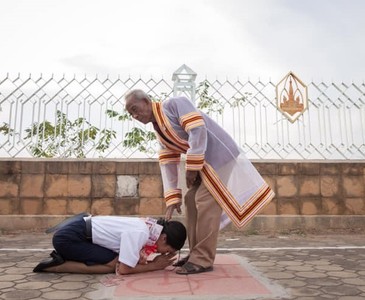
{"x":203,"y":219}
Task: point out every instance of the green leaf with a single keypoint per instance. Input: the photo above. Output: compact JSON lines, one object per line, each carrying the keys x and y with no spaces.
{"x":5,"y":129}
{"x":111,"y":113}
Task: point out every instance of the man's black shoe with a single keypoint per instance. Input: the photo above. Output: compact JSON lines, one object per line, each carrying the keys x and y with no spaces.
{"x":50,"y":262}
{"x":54,"y":254}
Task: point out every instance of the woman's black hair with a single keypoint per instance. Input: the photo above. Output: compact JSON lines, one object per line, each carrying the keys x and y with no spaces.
{"x":175,"y":233}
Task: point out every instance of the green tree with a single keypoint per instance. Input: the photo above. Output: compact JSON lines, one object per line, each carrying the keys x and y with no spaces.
{"x":67,"y":138}
{"x":209,"y":104}
{"x":206,"y":102}
{"x":136,"y":137}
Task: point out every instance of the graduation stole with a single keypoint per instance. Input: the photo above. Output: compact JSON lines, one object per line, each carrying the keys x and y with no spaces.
{"x":175,"y":145}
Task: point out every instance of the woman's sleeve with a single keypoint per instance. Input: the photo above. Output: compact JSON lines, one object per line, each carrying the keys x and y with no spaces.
{"x":131,"y":243}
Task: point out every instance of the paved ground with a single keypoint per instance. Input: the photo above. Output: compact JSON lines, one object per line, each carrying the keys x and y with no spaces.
{"x":330,"y":266}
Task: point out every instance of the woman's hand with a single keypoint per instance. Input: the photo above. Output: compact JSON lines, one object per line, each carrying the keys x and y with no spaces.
{"x":162,"y":261}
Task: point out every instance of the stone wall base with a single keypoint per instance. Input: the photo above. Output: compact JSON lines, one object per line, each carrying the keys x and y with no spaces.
{"x":260,"y":224}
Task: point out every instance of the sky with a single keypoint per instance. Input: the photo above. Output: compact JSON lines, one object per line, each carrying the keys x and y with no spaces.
{"x":316,"y":39}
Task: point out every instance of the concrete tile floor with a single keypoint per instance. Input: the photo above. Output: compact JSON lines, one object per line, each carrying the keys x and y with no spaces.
{"x":230,"y":278}
{"x":297,"y":266}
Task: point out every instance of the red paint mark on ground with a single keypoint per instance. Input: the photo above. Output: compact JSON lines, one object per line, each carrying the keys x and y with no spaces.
{"x":229,"y":277}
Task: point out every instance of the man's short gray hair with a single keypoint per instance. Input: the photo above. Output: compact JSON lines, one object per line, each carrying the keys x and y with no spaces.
{"x":137,"y":95}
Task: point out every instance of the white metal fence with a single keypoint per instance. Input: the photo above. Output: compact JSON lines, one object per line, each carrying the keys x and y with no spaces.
{"x":75,"y":112}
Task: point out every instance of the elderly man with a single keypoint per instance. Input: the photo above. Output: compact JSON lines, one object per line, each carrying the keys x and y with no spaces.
{"x":223,"y":185}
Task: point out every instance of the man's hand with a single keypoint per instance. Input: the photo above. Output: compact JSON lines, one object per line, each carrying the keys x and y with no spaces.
{"x":191,"y":177}
{"x":170,"y":210}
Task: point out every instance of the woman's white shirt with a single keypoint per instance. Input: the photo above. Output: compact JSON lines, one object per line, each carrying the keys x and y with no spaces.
{"x":125,"y":235}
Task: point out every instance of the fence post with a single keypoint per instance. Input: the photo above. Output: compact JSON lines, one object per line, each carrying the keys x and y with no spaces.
{"x":184,"y":82}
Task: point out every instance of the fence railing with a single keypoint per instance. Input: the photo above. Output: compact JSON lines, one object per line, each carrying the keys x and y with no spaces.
{"x":71,"y":116}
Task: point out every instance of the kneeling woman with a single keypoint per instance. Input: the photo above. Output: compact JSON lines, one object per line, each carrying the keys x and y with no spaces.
{"x":107,"y":244}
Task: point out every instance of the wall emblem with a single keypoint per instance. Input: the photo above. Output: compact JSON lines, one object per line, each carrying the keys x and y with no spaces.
{"x":292,"y":97}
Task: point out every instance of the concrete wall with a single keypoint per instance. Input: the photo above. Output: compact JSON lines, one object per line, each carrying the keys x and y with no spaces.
{"x":35,"y":193}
